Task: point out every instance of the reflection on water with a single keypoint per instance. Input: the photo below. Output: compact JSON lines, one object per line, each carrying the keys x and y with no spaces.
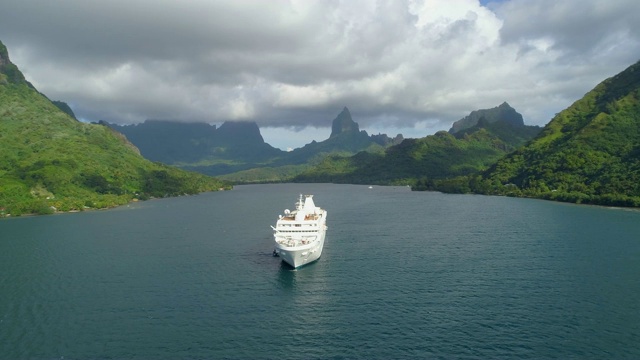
{"x":286,"y":275}
{"x":402,"y":275}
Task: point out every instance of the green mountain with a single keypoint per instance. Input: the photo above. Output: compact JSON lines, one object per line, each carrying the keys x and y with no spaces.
{"x":588,"y":153}
{"x":438,"y":156}
{"x":166,"y":141}
{"x":201,"y":147}
{"x":50,"y":161}
{"x":503,"y":113}
{"x":237,"y":150}
{"x":64,"y":107}
{"x":343,"y":123}
{"x":346,"y":138}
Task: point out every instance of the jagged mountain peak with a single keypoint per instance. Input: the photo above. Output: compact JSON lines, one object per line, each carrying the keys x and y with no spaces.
{"x":4,"y":55}
{"x":503,"y":113}
{"x":245,"y":131}
{"x":9,"y":73}
{"x":51,"y":162}
{"x":588,"y":153}
{"x":343,"y":123}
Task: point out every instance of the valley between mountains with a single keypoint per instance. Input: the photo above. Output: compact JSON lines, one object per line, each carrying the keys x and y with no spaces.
{"x":588,"y":153}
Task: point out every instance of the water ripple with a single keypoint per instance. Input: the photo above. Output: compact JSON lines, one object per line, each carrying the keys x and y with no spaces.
{"x":403,"y":275}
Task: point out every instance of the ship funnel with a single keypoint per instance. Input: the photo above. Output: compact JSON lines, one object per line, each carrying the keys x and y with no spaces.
{"x":309,"y":205}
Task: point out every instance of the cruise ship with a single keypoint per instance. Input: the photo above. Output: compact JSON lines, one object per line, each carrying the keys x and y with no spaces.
{"x":299,"y":234}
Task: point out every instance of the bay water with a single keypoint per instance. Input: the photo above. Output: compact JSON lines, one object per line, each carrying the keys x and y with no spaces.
{"x":403,"y":275}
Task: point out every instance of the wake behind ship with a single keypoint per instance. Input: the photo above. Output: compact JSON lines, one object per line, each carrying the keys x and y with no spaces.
{"x":299,"y":234}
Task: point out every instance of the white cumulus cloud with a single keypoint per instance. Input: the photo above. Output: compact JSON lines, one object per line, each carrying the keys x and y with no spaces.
{"x":410,"y":66}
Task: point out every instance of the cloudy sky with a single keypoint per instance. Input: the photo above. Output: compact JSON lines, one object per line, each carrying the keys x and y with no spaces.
{"x":400,"y":66}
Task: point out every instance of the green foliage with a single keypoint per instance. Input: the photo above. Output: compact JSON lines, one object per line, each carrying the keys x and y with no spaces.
{"x":265,"y":174}
{"x":200,"y":147}
{"x":504,"y":114}
{"x":52,"y":162}
{"x":64,"y":107}
{"x":588,"y":153}
{"x":438,"y":156}
{"x":238,"y":151}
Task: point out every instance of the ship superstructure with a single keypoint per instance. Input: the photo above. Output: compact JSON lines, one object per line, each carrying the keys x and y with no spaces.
{"x":299,"y":234}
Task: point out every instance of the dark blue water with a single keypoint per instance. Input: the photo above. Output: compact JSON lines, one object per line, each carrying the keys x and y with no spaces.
{"x":403,"y":275}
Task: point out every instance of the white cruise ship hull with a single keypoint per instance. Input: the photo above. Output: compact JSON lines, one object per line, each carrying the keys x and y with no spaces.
{"x":299,"y":234}
{"x":301,"y":255}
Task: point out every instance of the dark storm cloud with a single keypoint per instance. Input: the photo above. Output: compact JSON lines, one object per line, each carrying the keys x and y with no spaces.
{"x":291,"y":64}
{"x":574,"y":27}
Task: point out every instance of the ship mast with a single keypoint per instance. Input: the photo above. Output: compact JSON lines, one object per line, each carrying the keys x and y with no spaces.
{"x":299,"y":204}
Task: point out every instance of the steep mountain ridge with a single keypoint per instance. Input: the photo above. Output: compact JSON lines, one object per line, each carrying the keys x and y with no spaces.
{"x":435,"y":156}
{"x":240,"y":132}
{"x":343,"y":123}
{"x":239,"y":146}
{"x":588,"y":153}
{"x":346,"y":139}
{"x":503,"y":113}
{"x":50,"y":161}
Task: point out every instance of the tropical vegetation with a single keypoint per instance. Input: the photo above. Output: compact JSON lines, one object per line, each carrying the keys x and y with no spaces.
{"x":236,"y":150}
{"x":51,"y":162}
{"x":439,"y":156}
{"x":588,"y":153}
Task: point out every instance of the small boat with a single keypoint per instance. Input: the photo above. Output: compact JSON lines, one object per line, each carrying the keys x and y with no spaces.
{"x":299,"y":234}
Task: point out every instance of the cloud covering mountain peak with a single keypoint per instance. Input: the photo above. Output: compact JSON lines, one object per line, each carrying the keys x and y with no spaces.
{"x":403,"y":66}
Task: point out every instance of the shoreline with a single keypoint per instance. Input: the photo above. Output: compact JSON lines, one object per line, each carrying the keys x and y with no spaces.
{"x":86,"y":209}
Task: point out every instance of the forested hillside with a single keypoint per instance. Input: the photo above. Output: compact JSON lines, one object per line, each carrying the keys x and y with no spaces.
{"x":201,"y":147}
{"x":50,"y":161}
{"x":438,"y":156}
{"x":238,"y":148}
{"x":588,"y":153}
{"x":503,"y":113}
